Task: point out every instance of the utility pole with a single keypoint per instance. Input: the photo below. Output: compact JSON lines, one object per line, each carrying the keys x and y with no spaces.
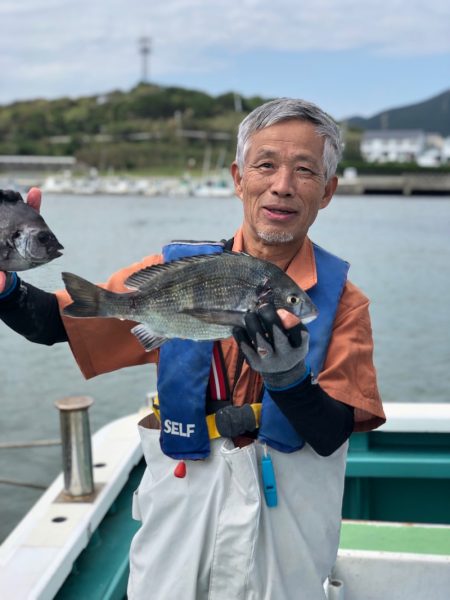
{"x":237,"y":103}
{"x":145,"y":48}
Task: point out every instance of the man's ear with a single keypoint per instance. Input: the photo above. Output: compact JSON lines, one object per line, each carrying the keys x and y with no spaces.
{"x":330,"y":188}
{"x":237,"y":178}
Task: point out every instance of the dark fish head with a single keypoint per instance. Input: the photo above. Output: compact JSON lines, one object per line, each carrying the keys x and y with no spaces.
{"x":280,"y":290}
{"x":38,"y":245}
{"x":26,"y":241}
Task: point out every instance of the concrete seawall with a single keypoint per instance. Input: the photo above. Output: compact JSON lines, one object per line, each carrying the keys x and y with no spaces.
{"x":406,"y":184}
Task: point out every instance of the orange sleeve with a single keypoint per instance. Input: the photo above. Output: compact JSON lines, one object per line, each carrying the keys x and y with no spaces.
{"x":101,"y":345}
{"x":349,"y":374}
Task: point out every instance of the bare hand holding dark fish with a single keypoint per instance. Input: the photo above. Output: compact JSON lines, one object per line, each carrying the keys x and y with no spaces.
{"x":26,"y":241}
{"x":199,"y":298}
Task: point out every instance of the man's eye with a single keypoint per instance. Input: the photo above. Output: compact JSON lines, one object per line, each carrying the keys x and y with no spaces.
{"x":304,"y":170}
{"x":265,"y":165}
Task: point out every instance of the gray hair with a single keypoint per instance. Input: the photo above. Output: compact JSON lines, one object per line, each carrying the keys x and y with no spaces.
{"x":284,"y":109}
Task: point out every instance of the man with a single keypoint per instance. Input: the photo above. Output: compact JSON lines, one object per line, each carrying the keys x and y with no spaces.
{"x":242,"y":493}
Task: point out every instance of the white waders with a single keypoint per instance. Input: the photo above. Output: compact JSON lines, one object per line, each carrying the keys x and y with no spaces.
{"x":211,"y":535}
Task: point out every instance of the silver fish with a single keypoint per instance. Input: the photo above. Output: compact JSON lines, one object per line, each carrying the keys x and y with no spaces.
{"x":199,"y":298}
{"x":26,"y":241}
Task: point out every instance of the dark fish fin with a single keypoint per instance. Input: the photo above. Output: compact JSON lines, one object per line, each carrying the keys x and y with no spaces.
{"x":88,"y":298}
{"x":146,"y":338}
{"x":142,"y":277}
{"x":216,"y":317}
{"x":10,"y":196}
{"x":264,"y":292}
{"x":145,"y":276}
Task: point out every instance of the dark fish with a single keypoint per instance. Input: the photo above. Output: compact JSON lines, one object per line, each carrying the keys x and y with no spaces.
{"x":198,"y":298}
{"x":25,"y":238}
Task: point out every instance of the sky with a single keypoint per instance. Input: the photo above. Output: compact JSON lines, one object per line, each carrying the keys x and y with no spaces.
{"x":352,"y":57}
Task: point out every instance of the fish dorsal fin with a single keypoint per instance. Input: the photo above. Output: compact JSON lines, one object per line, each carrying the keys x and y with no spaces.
{"x":142,"y":277}
{"x":10,"y":196}
{"x":145,"y":276}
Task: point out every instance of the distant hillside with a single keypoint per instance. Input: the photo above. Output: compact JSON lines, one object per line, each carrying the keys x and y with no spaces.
{"x":432,"y":115}
{"x":158,"y":129}
{"x":148,"y":127}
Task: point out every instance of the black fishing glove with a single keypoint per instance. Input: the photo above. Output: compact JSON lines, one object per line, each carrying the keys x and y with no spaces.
{"x":275,"y":352}
{"x":235,"y":420}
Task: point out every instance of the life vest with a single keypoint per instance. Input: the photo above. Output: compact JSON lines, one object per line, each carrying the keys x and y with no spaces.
{"x":184,"y":366}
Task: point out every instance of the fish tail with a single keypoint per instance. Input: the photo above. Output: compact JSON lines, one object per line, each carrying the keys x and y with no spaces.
{"x":89,"y":300}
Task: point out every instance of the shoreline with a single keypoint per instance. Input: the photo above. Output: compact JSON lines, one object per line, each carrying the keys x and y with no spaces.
{"x":215,"y":186}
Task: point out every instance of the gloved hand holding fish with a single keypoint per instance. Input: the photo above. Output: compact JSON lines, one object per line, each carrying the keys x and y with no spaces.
{"x":200,"y":298}
{"x":26,"y":241}
{"x":271,"y":349}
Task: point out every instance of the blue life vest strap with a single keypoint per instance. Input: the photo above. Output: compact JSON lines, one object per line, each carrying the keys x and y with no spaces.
{"x":183,"y":374}
{"x":275,"y":428}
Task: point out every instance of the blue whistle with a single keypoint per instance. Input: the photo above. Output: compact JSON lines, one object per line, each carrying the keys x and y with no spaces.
{"x":269,"y":481}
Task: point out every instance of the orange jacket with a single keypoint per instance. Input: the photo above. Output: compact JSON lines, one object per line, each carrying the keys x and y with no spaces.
{"x":104,"y":345}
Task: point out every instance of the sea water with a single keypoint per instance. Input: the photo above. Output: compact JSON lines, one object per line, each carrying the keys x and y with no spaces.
{"x":399,"y":250}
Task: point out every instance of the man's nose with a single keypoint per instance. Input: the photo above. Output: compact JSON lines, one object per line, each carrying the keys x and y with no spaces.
{"x":283,"y":182}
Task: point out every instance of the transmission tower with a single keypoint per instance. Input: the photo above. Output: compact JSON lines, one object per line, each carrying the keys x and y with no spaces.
{"x":145,"y":48}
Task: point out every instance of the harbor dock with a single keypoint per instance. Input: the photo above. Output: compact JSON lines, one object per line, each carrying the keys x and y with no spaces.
{"x":406,"y":184}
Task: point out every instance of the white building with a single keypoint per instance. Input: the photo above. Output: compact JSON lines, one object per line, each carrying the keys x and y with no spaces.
{"x":431,"y":157}
{"x":446,"y":151}
{"x":395,"y":145}
{"x":405,"y":145}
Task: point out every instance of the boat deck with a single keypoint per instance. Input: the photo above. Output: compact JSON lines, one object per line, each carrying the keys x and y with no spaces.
{"x":393,"y":561}
{"x":70,"y":550}
{"x":375,"y":536}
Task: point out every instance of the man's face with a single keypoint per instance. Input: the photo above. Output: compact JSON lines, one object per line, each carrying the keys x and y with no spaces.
{"x":282,"y":186}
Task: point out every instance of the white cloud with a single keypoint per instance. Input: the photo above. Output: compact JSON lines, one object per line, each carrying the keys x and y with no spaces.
{"x":391,"y":26}
{"x":96,"y":42}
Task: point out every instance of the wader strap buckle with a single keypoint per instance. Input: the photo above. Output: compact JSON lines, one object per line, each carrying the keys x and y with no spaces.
{"x":213,"y":431}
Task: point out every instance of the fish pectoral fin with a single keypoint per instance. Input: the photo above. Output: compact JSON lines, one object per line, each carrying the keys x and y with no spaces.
{"x":146,"y":337}
{"x":216,"y":317}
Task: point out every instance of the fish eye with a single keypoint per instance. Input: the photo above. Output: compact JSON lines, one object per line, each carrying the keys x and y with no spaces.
{"x":293,"y":299}
{"x":43,"y":237}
